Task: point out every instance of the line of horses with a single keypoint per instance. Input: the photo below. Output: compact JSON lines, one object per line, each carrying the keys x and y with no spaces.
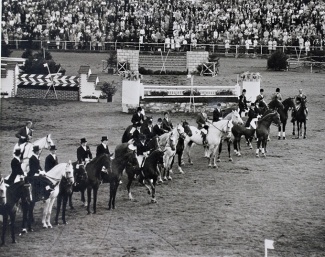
{"x":65,"y":178}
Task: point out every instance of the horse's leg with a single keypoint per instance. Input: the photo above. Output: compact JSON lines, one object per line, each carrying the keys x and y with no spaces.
{"x":279,"y":132}
{"x":30,"y":214}
{"x":128,"y":186}
{"x":284,"y":124}
{"x":12,"y":225}
{"x":116,"y":184}
{"x":179,"y":157}
{"x":58,"y":209}
{"x":83,"y":200}
{"x":45,"y":211}
{"x":49,"y":212}
{"x":305,"y":129}
{"x":25,"y":207}
{"x":88,"y":198}
{"x":258,"y":144}
{"x":171,"y":163}
{"x":229,"y":156}
{"x":70,"y":201}
{"x":264,"y":142}
{"x":219,"y":151}
{"x":4,"y":227}
{"x":214,"y":154}
{"x":153,"y":187}
{"x":95,"y":199}
{"x":293,"y":128}
{"x":64,"y":207}
{"x":189,"y":147}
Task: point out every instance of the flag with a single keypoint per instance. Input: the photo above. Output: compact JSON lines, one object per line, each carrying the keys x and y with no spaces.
{"x":269,"y":244}
{"x":45,"y":65}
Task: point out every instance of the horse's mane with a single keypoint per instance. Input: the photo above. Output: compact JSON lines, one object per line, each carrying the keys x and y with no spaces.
{"x":267,"y":116}
{"x":56,"y":168}
{"x":276,"y":104}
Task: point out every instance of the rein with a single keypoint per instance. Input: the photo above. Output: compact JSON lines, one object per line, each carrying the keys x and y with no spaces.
{"x":221,"y":130}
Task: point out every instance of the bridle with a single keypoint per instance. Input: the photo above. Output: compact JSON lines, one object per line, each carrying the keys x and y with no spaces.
{"x":223,"y":130}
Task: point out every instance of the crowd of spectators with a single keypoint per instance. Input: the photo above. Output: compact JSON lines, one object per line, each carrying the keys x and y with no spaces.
{"x":177,"y":23}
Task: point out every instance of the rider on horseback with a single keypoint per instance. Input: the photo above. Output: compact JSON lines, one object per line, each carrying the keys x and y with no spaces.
{"x":24,"y":135}
{"x":15,"y":168}
{"x":251,"y":115}
{"x":201,"y":121}
{"x":301,"y":97}
{"x":277,"y":95}
{"x":137,"y":117}
{"x":84,"y":154}
{"x":259,"y":97}
{"x":142,"y":150}
{"x":242,"y":102}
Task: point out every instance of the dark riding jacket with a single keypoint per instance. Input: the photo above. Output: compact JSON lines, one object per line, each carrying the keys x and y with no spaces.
{"x":50,"y":162}
{"x":83,"y":154}
{"x":102,"y":150}
{"x":242,"y":102}
{"x":158,"y":131}
{"x":136,"y":118}
{"x":15,"y":170}
{"x":23,"y":133}
{"x":216,"y":115}
{"x":34,"y":166}
{"x":167,"y":124}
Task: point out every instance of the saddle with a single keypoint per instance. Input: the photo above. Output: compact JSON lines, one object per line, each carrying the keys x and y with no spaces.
{"x":42,"y":187}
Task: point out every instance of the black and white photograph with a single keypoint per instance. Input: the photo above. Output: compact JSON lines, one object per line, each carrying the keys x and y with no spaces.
{"x":162,"y":128}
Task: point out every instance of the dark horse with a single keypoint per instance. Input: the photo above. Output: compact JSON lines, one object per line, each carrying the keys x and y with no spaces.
{"x":239,"y":130}
{"x":95,"y":169}
{"x":125,"y":159}
{"x":65,"y":191}
{"x":263,"y":130}
{"x":127,"y":135}
{"x":150,"y":172}
{"x":180,"y":146}
{"x":299,"y":116}
{"x":282,"y":109}
{"x":9,"y":198}
{"x":81,"y":182}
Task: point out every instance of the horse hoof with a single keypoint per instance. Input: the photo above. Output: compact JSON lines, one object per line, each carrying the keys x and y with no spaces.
{"x":182,"y":163}
{"x":65,"y":223}
{"x":88,"y":213}
{"x":14,"y":241}
{"x":284,"y":138}
{"x":169,"y":178}
{"x":230,"y":159}
{"x":49,"y":226}
{"x":160,"y":181}
{"x":191,"y":162}
{"x":24,"y":231}
{"x":264,"y":155}
{"x":44,"y":226}
{"x":153,"y":201}
{"x":279,"y":138}
{"x":305,"y":137}
{"x":181,"y":171}
{"x":165,"y":179}
{"x":257,"y":156}
{"x":218,"y":160}
{"x":214,"y":166}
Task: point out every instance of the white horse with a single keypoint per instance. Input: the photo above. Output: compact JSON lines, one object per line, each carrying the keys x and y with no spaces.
{"x":40,"y":187}
{"x":233,"y":116}
{"x":55,"y":175}
{"x":27,"y":150}
{"x":169,"y":142}
{"x":217,"y":131}
{"x":3,"y":191}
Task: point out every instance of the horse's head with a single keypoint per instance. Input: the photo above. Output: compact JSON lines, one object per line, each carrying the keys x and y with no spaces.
{"x":106,"y":163}
{"x":236,"y":119}
{"x":171,"y":142}
{"x":69,"y":173}
{"x":289,"y":103}
{"x":180,"y":131}
{"x":227,"y":128}
{"x":187,"y":128}
{"x":276,"y":118}
{"x":27,"y":193}
{"x":131,"y":160}
{"x":49,"y":141}
{"x":3,"y":192}
{"x":153,"y":143}
{"x":80,"y":173}
{"x":276,"y":105}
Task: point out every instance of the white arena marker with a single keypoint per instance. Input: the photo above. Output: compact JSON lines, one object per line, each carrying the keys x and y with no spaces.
{"x":268,"y":245}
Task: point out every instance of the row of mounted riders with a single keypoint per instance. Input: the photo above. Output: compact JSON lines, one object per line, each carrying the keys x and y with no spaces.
{"x":65,"y":178}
